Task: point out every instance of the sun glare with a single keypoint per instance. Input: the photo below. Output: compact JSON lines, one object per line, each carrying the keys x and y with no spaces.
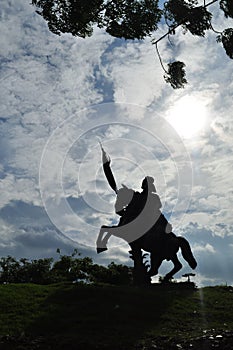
{"x":188,"y":116}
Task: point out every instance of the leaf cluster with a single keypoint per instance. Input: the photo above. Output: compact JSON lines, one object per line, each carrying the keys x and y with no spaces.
{"x":23,"y":270}
{"x":67,"y":268}
{"x":226,"y":37}
{"x":122,"y":19}
{"x":195,"y":19}
{"x":176,"y":75}
{"x":227,"y":7}
{"x":137,"y":19}
{"x":74,"y":16}
{"x":131,"y":19}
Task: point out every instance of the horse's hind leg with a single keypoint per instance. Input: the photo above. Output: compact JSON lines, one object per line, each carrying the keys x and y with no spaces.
{"x":155,"y":262}
{"x":177,"y":267}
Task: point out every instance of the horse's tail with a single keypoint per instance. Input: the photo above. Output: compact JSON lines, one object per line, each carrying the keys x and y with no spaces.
{"x":186,"y":252}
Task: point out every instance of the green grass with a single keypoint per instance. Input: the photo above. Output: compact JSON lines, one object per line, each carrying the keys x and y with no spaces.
{"x":112,"y":317}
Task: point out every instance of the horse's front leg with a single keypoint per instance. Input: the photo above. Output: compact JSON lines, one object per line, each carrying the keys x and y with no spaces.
{"x":101,"y":242}
{"x":177,"y":267}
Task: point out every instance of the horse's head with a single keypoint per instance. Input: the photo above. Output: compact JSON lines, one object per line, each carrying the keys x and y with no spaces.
{"x":124,"y":197}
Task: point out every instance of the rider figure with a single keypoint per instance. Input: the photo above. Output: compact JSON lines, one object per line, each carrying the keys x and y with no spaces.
{"x":146,"y":202}
{"x":153,"y":205}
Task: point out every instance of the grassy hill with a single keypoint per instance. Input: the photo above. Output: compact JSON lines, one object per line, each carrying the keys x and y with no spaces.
{"x":72,"y":316}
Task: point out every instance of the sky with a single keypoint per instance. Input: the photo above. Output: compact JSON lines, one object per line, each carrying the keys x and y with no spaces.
{"x":61,"y":95}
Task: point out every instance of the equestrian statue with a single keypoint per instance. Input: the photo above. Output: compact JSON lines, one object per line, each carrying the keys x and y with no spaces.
{"x":143,"y":226}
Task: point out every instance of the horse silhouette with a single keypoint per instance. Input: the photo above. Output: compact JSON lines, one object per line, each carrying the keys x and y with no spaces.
{"x":140,"y":233}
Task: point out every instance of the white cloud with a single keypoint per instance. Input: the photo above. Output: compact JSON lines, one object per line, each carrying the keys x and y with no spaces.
{"x":23,"y":189}
{"x":207,"y":248}
{"x":48,"y":80}
{"x":136,"y":74}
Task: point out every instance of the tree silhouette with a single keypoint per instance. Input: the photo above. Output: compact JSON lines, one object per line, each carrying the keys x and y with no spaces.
{"x":25,"y":271}
{"x":136,"y":20}
{"x":68,"y":268}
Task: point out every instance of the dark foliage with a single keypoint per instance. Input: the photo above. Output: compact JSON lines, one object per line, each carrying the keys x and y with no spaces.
{"x":67,"y":268}
{"x":112,"y":274}
{"x":74,"y":16}
{"x":176,"y":75}
{"x":227,"y":40}
{"x":23,"y":271}
{"x":136,"y":19}
{"x":122,"y":19}
{"x":132,"y":19}
{"x":195,"y":19}
{"x":227,"y":7}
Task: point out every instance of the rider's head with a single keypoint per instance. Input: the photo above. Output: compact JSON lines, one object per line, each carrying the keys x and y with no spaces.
{"x":148,"y":184}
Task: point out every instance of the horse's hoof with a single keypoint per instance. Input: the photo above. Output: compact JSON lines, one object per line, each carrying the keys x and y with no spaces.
{"x":152,"y":273}
{"x":100,"y":250}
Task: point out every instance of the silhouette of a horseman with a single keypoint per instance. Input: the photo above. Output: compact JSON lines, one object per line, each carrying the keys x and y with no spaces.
{"x":143,"y":226}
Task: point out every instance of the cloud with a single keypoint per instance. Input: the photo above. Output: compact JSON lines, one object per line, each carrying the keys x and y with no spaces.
{"x":15,"y":188}
{"x":207,"y":248}
{"x":212,"y":252}
{"x":135,"y":73}
{"x":44,"y":80}
{"x":53,"y":114}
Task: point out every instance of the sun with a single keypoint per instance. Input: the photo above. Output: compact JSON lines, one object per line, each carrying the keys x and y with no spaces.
{"x":188,"y":116}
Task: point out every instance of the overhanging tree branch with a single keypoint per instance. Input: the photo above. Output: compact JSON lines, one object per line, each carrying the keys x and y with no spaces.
{"x":160,"y":59}
{"x":171,"y":30}
{"x":137,"y":19}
